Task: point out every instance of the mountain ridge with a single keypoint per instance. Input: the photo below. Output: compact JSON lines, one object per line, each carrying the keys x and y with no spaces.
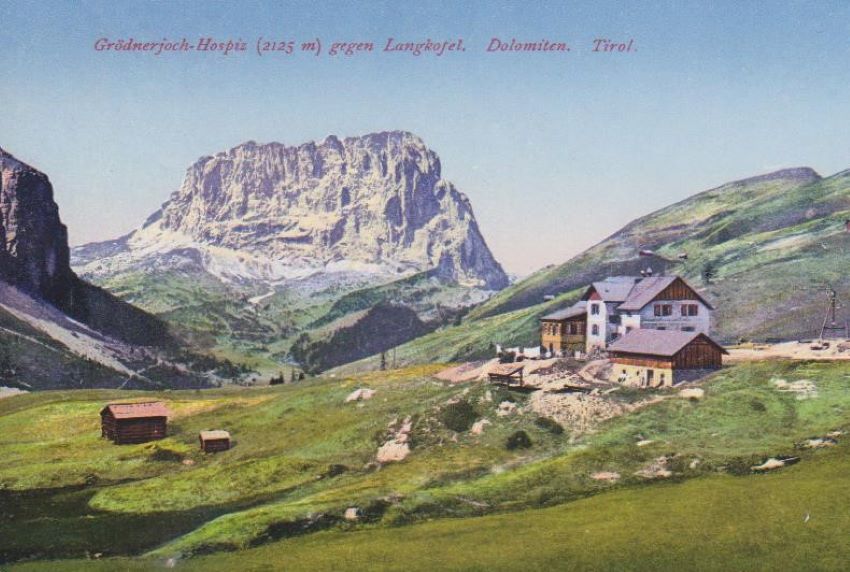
{"x":530,"y":289}
{"x":374,"y":204}
{"x":260,"y":242}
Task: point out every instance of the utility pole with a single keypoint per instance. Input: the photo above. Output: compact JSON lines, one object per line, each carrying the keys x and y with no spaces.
{"x":830,"y":327}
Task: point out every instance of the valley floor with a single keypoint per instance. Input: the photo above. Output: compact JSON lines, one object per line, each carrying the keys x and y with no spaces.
{"x":684,"y":496}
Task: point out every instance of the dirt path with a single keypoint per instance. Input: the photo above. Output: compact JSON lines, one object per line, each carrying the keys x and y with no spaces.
{"x":837,"y":350}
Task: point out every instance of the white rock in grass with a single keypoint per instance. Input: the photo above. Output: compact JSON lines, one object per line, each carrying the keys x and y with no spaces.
{"x":393,"y":451}
{"x":769,"y":465}
{"x":692,"y":393}
{"x":478,"y":426}
{"x":605,"y":476}
{"x":361,"y":394}
{"x":506,"y":408}
{"x":352,"y":513}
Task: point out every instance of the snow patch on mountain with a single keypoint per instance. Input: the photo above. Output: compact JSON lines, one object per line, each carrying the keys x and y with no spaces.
{"x":371,"y":208}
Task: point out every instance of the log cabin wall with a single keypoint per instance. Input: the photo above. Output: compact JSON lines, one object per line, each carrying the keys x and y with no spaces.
{"x":643,"y":361}
{"x":130,"y":431}
{"x":677,"y":290}
{"x":699,"y":354}
{"x":563,"y":335}
{"x":215,"y":445}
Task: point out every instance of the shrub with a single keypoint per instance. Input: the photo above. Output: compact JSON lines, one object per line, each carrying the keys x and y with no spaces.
{"x":518,"y":440}
{"x":458,"y":416}
{"x":549,"y":425}
{"x":758,"y":406}
{"x":335,"y":470}
{"x":165,"y":455}
{"x":740,"y":466}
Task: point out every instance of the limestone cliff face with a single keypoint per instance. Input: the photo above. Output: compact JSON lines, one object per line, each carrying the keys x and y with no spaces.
{"x":34,"y":251}
{"x":377,"y":201}
{"x":34,"y":257}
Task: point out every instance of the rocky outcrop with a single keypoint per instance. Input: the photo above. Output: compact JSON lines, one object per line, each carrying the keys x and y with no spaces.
{"x":375,"y":203}
{"x":34,"y":251}
{"x":34,"y":256}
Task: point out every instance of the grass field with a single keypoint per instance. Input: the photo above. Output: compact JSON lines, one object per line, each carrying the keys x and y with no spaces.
{"x":458,"y":501}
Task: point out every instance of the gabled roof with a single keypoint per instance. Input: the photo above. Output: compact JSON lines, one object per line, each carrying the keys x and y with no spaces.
{"x":647,"y":289}
{"x":136,"y":410}
{"x":613,"y":289}
{"x":506,"y":368}
{"x":214,"y":434}
{"x":577,"y":309}
{"x":665,"y":343}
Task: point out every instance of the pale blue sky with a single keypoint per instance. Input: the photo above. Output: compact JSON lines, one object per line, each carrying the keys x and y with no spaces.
{"x":555,"y":151}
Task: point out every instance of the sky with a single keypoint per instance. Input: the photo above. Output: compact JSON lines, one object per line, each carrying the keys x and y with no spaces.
{"x":555,"y":150}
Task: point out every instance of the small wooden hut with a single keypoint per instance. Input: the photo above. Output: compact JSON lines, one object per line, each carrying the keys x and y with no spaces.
{"x":214,"y":441}
{"x":125,"y":423}
{"x":507,"y":373}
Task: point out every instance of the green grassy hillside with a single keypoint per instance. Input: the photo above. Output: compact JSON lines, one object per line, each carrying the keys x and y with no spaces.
{"x":755,"y":246}
{"x":470,"y":340}
{"x":716,"y":523}
{"x":302,"y":456}
{"x":255,"y":327}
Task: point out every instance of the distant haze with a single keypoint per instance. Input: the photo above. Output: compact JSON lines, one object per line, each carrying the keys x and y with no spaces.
{"x":555,"y":150}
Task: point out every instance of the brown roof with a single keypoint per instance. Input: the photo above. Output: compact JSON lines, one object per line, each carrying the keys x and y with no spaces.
{"x":666,"y":343}
{"x":578,"y":309}
{"x":212,"y":435}
{"x":647,"y":289}
{"x":505,"y":369}
{"x":613,"y":288}
{"x":136,"y":410}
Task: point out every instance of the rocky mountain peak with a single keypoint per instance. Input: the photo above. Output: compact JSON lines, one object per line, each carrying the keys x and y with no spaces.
{"x":34,"y":250}
{"x":376,"y":200}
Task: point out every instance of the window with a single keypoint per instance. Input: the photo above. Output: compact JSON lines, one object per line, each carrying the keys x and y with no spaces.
{"x":661,"y":328}
{"x":573,"y":328}
{"x":629,"y":329}
{"x":594,"y":309}
{"x":690,"y":309}
{"x":663,"y":310}
{"x":594,"y":330}
{"x":688,"y":329}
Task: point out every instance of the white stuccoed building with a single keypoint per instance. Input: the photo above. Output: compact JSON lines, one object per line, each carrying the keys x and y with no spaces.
{"x":620,"y":304}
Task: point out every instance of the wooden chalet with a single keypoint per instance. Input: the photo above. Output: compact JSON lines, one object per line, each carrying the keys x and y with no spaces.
{"x":125,"y":423}
{"x":656,"y":358}
{"x":564,"y":331}
{"x":214,"y":441}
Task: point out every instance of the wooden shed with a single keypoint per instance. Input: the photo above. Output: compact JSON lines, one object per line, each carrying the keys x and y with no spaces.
{"x":506,"y":373}
{"x":214,"y":441}
{"x":126,"y":423}
{"x":655,"y":358}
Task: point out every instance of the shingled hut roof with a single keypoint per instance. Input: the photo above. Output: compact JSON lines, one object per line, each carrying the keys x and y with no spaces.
{"x":137,"y":410}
